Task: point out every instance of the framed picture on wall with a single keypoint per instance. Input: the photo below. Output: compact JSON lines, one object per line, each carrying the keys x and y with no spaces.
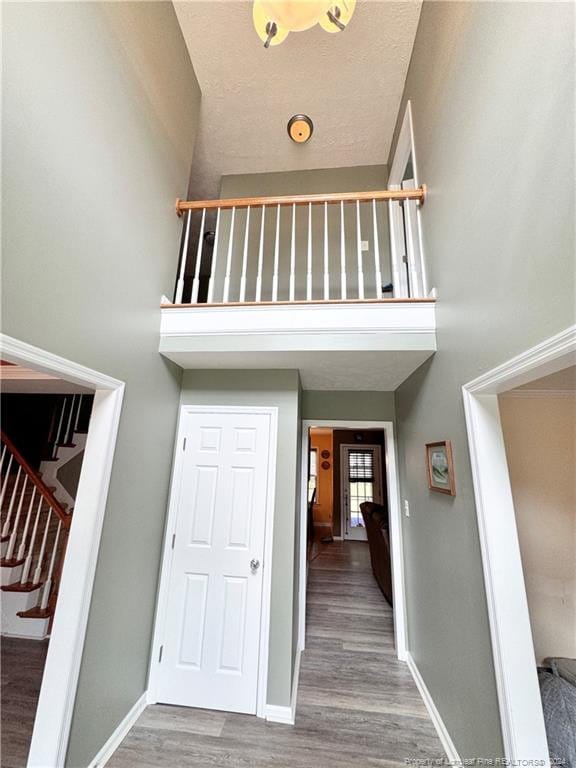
{"x":440,"y":467}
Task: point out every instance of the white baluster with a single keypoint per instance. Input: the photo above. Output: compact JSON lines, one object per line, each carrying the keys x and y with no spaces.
{"x":377,"y":267}
{"x":38,"y":570}
{"x":5,"y":483}
{"x":293,"y":255}
{"x":58,"y":431}
{"x":22,"y":547}
{"x":260,"y":256}
{"x":229,"y":259}
{"x":2,"y":457}
{"x":245,"y":257}
{"x":48,"y":583}
{"x":342,"y":252}
{"x":14,"y":534}
{"x":183,"y":259}
{"x":67,"y":437}
{"x":326,"y":263}
{"x":309,"y":264}
{"x":28,"y":563}
{"x":78,"y":412}
{"x":6,"y":526}
{"x":276,"y":256}
{"x":359,"y":247}
{"x":196,"y":280}
{"x":214,"y":260}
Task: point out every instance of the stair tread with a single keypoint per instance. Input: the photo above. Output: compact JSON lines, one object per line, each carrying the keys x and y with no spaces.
{"x":36,"y":613}
{"x":18,"y":587}
{"x":12,"y":563}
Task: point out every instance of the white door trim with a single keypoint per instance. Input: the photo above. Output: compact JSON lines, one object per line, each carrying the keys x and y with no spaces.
{"x":343,"y":475}
{"x":162,"y":602}
{"x":405,"y":148}
{"x":58,"y":693}
{"x":397,"y":551}
{"x":512,"y":646}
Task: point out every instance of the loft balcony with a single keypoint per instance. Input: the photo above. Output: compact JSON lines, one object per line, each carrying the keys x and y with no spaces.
{"x":331,"y":285}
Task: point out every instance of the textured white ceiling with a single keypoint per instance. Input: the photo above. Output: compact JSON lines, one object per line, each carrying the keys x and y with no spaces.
{"x":350,"y":84}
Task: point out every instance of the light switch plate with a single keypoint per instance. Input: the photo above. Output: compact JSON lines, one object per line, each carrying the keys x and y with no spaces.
{"x":406,"y":508}
{"x":364,"y":245}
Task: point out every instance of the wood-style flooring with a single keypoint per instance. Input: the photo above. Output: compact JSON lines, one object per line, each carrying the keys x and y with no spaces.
{"x":22,"y":670}
{"x":357,"y":704}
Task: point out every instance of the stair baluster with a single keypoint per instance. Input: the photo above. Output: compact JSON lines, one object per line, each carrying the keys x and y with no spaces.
{"x":38,"y":570}
{"x":22,"y":547}
{"x":47,"y":588}
{"x":6,"y":526}
{"x":14,"y":534}
{"x":28,"y":561}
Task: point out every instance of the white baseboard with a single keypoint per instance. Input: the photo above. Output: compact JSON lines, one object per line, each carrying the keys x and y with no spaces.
{"x":441,"y":729}
{"x":286,"y":715}
{"x":117,"y":737}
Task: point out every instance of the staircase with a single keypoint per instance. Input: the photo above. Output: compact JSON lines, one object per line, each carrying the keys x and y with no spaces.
{"x":34,"y":528}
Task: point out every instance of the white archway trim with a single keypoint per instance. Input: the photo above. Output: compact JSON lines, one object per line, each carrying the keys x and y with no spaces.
{"x":60,"y":681}
{"x":521,"y":715}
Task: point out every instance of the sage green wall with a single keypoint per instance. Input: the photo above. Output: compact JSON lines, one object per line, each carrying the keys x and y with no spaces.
{"x":353,"y":179}
{"x":492,"y":93}
{"x":280,"y":389}
{"x":350,"y":406}
{"x":99,"y":118}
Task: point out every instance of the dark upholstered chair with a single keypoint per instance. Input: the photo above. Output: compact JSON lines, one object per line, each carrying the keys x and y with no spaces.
{"x":376,"y":523}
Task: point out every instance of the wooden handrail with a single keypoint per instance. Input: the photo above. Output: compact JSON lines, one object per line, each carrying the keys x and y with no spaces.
{"x":41,"y":487}
{"x":345,"y":197}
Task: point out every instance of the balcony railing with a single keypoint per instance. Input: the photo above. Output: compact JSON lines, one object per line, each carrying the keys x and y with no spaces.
{"x":361,"y":246}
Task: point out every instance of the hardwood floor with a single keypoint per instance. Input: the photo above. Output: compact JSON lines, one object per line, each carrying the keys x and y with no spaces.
{"x":22,"y":670}
{"x":357,"y":704}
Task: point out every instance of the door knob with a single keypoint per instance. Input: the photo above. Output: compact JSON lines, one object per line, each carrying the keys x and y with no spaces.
{"x":254,"y":564}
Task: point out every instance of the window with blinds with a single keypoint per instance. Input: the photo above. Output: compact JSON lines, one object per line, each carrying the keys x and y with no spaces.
{"x":361,"y":482}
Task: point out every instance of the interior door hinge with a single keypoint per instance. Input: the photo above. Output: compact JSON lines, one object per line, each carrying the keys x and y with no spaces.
{"x":184,"y":445}
{"x":160,"y":654}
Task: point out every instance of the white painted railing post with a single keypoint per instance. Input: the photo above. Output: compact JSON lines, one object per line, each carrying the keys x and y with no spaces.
{"x":342,"y":253}
{"x":6,"y":526}
{"x":214,"y":260}
{"x":293,"y":255}
{"x":28,"y":563}
{"x":245,"y":257}
{"x":377,"y":267}
{"x":309,"y":261}
{"x":276,"y":256}
{"x":46,"y":589}
{"x":14,"y":534}
{"x":6,"y":478}
{"x":359,"y":249}
{"x":326,"y":256}
{"x":67,"y":435}
{"x":78,"y":412}
{"x":226,"y":292}
{"x":38,"y":569}
{"x":196,"y":280}
{"x":260,"y":256}
{"x":183,"y":259}
{"x":22,"y":547}
{"x":59,"y":430}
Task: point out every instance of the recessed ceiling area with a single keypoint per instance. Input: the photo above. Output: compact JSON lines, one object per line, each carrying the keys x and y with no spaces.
{"x":349,"y":83}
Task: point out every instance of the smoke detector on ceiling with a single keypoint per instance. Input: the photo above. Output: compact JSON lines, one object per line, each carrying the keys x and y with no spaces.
{"x":300,"y":128}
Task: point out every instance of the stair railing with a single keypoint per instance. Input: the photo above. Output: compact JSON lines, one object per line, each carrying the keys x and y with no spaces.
{"x":35,"y":524}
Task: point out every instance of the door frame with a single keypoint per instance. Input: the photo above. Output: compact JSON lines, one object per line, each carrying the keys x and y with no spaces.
{"x":162,"y":601}
{"x":395,"y":518}
{"x":520,"y":706}
{"x":400,"y":240}
{"x":356,"y":446}
{"x":62,"y":668}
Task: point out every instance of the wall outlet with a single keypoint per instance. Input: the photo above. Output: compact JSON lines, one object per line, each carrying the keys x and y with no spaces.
{"x":406,"y":508}
{"x":364,"y":245}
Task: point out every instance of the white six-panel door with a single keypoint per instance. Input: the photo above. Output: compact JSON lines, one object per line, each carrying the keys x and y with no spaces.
{"x":211,"y":633}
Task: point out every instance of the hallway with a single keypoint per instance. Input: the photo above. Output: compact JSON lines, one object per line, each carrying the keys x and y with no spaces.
{"x":357,"y":705}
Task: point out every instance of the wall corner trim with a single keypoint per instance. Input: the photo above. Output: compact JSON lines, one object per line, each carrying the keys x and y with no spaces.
{"x":118,"y":735}
{"x":286,"y":715}
{"x":437,"y":721}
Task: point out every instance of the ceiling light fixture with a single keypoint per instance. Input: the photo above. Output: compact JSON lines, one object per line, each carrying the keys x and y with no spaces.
{"x":275,"y":19}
